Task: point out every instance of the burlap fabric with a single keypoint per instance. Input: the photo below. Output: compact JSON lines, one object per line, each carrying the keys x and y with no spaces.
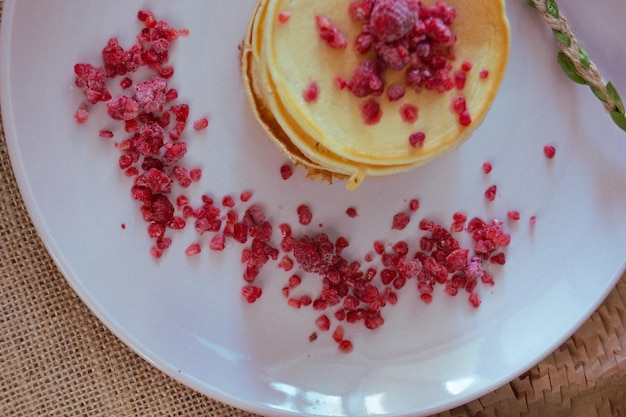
{"x":57,"y":359}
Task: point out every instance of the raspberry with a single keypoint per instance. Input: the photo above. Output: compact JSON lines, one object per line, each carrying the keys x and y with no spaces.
{"x":391,"y":19}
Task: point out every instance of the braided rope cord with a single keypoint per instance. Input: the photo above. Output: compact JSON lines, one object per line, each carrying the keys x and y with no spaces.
{"x":575,"y":61}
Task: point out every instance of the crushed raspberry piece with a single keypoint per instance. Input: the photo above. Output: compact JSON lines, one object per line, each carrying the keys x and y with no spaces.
{"x":122,"y":108}
{"x":284,"y":16}
{"x":514,"y":215}
{"x":311,"y":92}
{"x":400,"y":221}
{"x":371,"y":112}
{"x":351,"y":212}
{"x":360,"y":10}
{"x":105,"y":134}
{"x":330,"y":33}
{"x":417,"y":139}
{"x":81,"y":115}
{"x":459,"y":105}
{"x":150,"y":94}
{"x":467,"y":66}
{"x":487,"y":167}
{"x":92,"y":81}
{"x":217,"y":243}
{"x":395,"y":92}
{"x":490,"y":194}
{"x":304,"y":214}
{"x":465,"y":119}
{"x":484,"y":74}
{"x":201,"y":124}
{"x":391,"y":20}
{"x":414,"y":204}
{"x":286,"y":171}
{"x":409,"y":113}
{"x":251,"y":293}
{"x":366,"y":80}
{"x":193,"y":249}
{"x":549,"y":151}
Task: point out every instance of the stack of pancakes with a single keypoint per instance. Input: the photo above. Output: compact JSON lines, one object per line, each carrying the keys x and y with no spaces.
{"x":282,"y":57}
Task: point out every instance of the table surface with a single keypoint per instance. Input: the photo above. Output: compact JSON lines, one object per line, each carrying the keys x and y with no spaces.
{"x":57,"y":359}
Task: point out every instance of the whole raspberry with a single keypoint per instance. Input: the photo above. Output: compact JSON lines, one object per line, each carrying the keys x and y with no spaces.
{"x":392,"y":19}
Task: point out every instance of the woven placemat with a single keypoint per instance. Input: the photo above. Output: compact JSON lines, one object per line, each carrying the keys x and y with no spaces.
{"x":57,"y":359}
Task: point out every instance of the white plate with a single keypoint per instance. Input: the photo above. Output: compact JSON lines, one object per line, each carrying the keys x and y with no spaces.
{"x":185,"y":315}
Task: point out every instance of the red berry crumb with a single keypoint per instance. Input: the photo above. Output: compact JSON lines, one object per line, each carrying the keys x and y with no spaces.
{"x":201,"y":124}
{"x":284,"y":16}
{"x":487,"y":167}
{"x":409,"y":113}
{"x":286,"y":171}
{"x":371,"y":112}
{"x":330,"y":33}
{"x":549,"y":151}
{"x":351,"y":212}
{"x":484,"y":74}
{"x":490,"y":194}
{"x":416,"y":140}
{"x":513,"y":215}
{"x":304,"y":214}
{"x":400,"y":221}
{"x":311,"y":93}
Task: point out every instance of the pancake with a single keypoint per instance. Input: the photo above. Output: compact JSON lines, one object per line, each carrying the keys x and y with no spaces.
{"x":282,"y":57}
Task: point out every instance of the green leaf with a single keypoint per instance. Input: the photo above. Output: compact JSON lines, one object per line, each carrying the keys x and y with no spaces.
{"x":610,"y":89}
{"x":553,"y":9}
{"x":598,"y":94}
{"x":619,"y":119}
{"x":562,"y":37}
{"x":584,"y":58}
{"x":569,"y":69}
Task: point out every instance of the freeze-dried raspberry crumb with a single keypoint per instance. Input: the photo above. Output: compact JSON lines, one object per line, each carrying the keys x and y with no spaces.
{"x":286,"y":171}
{"x":395,"y":92}
{"x":484,"y":74}
{"x":311,"y":92}
{"x":409,"y":112}
{"x":366,"y":80}
{"x":390,"y":20}
{"x":193,"y":249}
{"x":81,"y":115}
{"x":371,"y":112}
{"x":549,"y":151}
{"x":400,"y":221}
{"x":330,"y":33}
{"x":490,"y":194}
{"x":417,"y":139}
{"x":201,"y":124}
{"x":284,"y":16}
{"x":150,"y":94}
{"x":351,"y":212}
{"x":92,"y":81}
{"x":487,"y":167}
{"x":122,"y":108}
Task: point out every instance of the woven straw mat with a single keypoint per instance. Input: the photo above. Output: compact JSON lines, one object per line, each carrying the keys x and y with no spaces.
{"x":57,"y":359}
